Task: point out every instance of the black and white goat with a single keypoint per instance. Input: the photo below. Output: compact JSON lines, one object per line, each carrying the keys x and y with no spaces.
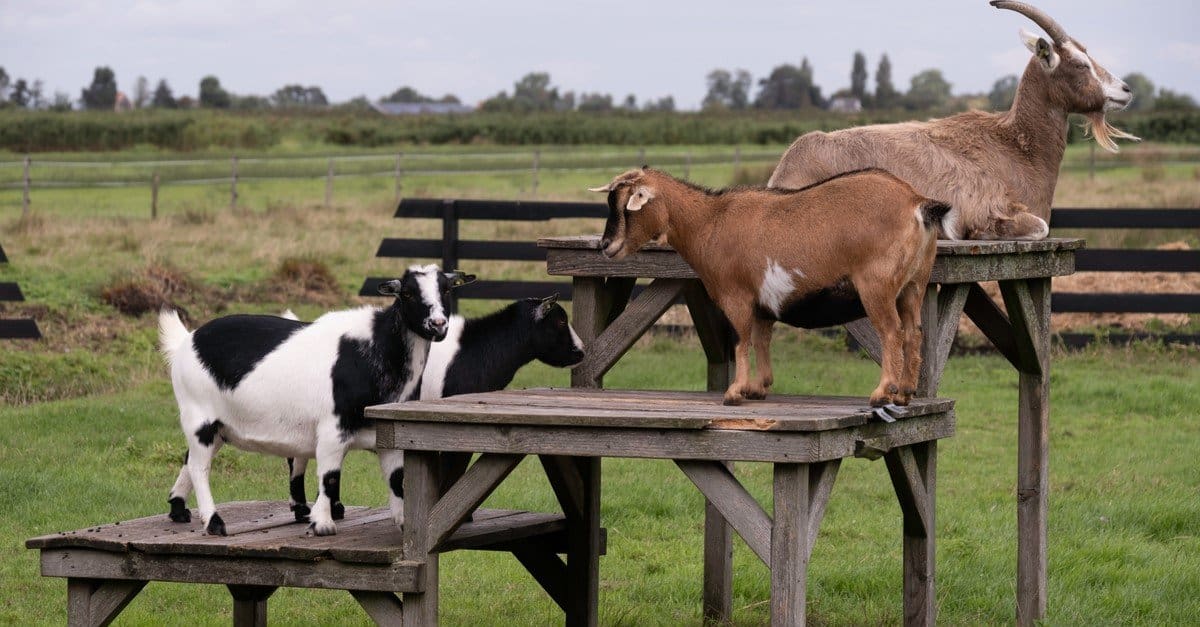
{"x":287,"y":388}
{"x":481,"y":355}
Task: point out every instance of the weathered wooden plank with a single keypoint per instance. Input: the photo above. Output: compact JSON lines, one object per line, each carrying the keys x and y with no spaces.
{"x":718,"y":445}
{"x":736,"y":505}
{"x":465,"y":495}
{"x":970,"y":248}
{"x":718,"y":564}
{"x":648,"y":262}
{"x":1033,"y":446}
{"x":595,"y":303}
{"x":716,"y":336}
{"x":914,"y":474}
{"x":926,"y":384}
{"x":789,"y":545}
{"x":952,"y":298}
{"x":505,"y":530}
{"x":383,"y":607}
{"x":583,"y":550}
{"x":993,"y":267}
{"x":95,"y":603}
{"x":421,"y":485}
{"x":909,"y":484}
{"x":567,"y":484}
{"x":867,"y":337}
{"x":133,"y":566}
{"x":641,"y":314}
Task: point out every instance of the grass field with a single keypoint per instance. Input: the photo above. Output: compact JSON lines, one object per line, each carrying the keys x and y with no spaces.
{"x":90,"y":435}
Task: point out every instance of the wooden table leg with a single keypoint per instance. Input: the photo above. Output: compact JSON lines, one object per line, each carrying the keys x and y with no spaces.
{"x":789,"y":545}
{"x":421,"y":491}
{"x":250,"y":605}
{"x":93,"y":602}
{"x":583,"y":549}
{"x":1028,"y":304}
{"x":595,"y":303}
{"x":913,"y":470}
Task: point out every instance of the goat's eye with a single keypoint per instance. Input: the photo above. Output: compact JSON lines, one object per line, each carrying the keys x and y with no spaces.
{"x":406,"y":295}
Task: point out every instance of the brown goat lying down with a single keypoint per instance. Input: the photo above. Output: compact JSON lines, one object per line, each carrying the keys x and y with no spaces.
{"x":861,"y":243}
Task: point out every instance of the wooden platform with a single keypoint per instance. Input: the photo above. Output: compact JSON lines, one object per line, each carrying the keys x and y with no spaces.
{"x":266,"y":548}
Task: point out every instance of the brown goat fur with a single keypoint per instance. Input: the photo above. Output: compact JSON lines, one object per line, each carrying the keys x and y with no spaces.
{"x":997,"y":171}
{"x":860,"y":243}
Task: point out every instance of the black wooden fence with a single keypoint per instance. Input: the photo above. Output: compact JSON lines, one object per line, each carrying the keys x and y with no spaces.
{"x":19,"y":328}
{"x":450,"y":250}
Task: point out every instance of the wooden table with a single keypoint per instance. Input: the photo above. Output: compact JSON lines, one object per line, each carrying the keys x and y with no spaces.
{"x":805,"y":438}
{"x":609,"y":323}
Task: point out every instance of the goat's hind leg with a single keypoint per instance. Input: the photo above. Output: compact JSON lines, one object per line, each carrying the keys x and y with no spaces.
{"x":760,"y":338}
{"x":331,"y":452}
{"x":299,"y":504}
{"x":203,"y":444}
{"x":909,"y":303}
{"x":881,"y":309}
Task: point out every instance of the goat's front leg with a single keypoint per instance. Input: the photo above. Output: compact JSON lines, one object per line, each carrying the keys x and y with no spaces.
{"x":760,"y":338}
{"x":741,"y":319}
{"x":299,"y":504}
{"x":880,"y":305}
{"x":391,"y":463}
{"x":331,"y":452}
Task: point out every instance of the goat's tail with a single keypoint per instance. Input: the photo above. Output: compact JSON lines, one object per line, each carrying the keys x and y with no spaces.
{"x":171,"y":332}
{"x":932,"y":213}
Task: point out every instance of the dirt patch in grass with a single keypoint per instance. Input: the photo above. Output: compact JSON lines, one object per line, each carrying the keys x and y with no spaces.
{"x":302,"y":279}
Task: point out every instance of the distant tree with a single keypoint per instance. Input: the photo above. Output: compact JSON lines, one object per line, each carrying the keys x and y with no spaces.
{"x":928,"y":90}
{"x":212,"y":95}
{"x":4,"y":81}
{"x":250,"y":103}
{"x":102,"y":93}
{"x":357,"y":103}
{"x":1168,"y":100}
{"x":37,"y":97}
{"x":141,"y":92}
{"x":532,"y":93}
{"x":19,"y":94}
{"x":163,"y":98}
{"x":1143,"y":91}
{"x":595,"y":102}
{"x":886,"y":96}
{"x":728,"y":90}
{"x":858,"y":77}
{"x":299,"y":96}
{"x":664,"y":104}
{"x":630,"y":103}
{"x":789,"y":87}
{"x":406,"y":94}
{"x":186,"y":102}
{"x":62,"y":102}
{"x":1004,"y":91}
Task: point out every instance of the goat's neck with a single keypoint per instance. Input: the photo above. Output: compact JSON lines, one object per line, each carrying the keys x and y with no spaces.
{"x":495,"y":347}
{"x":1038,"y":125}
{"x":691,"y":220}
{"x":394,"y":340}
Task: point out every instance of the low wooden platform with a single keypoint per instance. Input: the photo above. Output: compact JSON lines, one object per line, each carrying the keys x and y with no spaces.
{"x":107,"y":565}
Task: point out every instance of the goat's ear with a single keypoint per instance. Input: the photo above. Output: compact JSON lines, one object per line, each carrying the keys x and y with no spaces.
{"x":1042,"y":49}
{"x":639,"y":198}
{"x":459,"y":279}
{"x":544,"y":307}
{"x":390,"y":288}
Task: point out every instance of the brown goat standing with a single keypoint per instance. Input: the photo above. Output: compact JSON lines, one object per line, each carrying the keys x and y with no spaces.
{"x":860,"y":243}
{"x":998,"y":171}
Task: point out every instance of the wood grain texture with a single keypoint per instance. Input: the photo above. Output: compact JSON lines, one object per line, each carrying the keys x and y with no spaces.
{"x":467,"y":493}
{"x":993,"y":322}
{"x":250,"y":605}
{"x":604,"y":351}
{"x":421,"y":485}
{"x":383,"y":607}
{"x":789,"y":545}
{"x":1033,"y":459}
{"x":95,"y":603}
{"x":736,"y":505}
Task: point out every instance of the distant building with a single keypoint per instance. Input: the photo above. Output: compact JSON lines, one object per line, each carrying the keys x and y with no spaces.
{"x":122,"y":102}
{"x":845,"y":104}
{"x":419,"y":108}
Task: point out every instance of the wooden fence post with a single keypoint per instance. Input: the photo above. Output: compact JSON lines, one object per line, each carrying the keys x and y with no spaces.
{"x":233,"y":180}
{"x":329,"y":185}
{"x":537,"y":158}
{"x":154,"y":196}
{"x":399,"y":174}
{"x":450,"y":247}
{"x":25,"y":192}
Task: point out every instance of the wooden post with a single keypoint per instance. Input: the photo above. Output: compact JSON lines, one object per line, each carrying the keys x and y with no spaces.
{"x":399,"y":174}
{"x":154,"y":196}
{"x":789,"y":545}
{"x":1033,"y":445}
{"x":25,"y":193}
{"x":329,"y":186}
{"x":233,"y":183}
{"x":583,"y":549}
{"x":450,"y":248}
{"x":421,"y":484}
{"x":537,"y":158}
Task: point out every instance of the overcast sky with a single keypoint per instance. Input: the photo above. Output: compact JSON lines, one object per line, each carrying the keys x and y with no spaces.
{"x":650,"y":49}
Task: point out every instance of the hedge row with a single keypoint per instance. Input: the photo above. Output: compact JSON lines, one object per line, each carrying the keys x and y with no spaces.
{"x":199,"y":130}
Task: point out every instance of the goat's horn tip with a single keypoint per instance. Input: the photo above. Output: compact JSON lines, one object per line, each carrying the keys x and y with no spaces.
{"x":598,"y":189}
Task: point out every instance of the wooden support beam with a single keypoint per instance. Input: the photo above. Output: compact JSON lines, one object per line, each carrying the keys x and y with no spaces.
{"x":789,"y":545}
{"x":1033,"y":459}
{"x":250,"y":605}
{"x":421,"y":486}
{"x":993,"y":322}
{"x":715,"y":333}
{"x":583,"y":549}
{"x":865,"y":334}
{"x":732,"y":500}
{"x":96,"y":602}
{"x":909,"y":484}
{"x":465,"y":495}
{"x":913,"y":470}
{"x":383,"y":607}
{"x":547,"y":569}
{"x":595,"y":303}
{"x":950,"y":301}
{"x":821,"y":477}
{"x":1023,"y":316}
{"x":567,"y":484}
{"x":640,"y":315}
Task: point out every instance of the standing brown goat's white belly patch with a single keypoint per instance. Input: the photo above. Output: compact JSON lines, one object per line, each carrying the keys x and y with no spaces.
{"x":777,"y":286}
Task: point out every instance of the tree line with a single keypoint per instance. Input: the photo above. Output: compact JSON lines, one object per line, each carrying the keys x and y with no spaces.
{"x":785,"y":87}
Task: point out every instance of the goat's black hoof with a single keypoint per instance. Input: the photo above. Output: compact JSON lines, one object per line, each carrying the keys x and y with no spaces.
{"x":301,"y":512}
{"x":216,"y":526}
{"x":338,"y":511}
{"x":179,"y":511}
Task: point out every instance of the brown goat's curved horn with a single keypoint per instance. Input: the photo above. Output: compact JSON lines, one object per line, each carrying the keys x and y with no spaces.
{"x":1052,"y":28}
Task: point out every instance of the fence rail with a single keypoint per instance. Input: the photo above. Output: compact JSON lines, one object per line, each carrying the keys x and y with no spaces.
{"x":450,"y":250}
{"x":13,"y":329}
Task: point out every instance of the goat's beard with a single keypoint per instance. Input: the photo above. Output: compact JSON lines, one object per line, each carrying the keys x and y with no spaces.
{"x":1097,"y":126}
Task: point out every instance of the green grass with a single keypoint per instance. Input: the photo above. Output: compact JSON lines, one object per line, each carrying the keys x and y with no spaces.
{"x":1124,"y":518}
